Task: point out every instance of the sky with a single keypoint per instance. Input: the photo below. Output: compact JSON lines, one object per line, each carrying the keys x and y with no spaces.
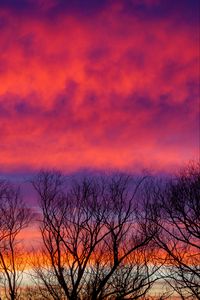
{"x":106,"y":84}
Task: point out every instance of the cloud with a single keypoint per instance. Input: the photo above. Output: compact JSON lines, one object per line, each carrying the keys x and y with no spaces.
{"x":113,"y":90}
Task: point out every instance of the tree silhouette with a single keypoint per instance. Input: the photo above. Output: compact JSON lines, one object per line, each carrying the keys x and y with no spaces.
{"x":175,"y":209}
{"x":14,"y":216}
{"x":90,"y":232}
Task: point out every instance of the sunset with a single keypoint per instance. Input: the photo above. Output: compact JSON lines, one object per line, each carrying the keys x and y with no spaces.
{"x":100,"y":127}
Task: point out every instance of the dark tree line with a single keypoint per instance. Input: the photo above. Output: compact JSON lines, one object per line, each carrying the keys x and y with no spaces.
{"x":107,"y":237}
{"x":96,"y":241}
{"x":175,"y":209}
{"x":14,"y":216}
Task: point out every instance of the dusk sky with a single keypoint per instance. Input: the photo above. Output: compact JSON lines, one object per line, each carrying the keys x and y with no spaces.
{"x":102,"y":84}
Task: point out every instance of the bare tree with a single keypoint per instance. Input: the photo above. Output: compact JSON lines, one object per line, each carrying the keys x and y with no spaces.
{"x":132,"y":279}
{"x":175,"y":209}
{"x":90,"y":232}
{"x":14,"y":216}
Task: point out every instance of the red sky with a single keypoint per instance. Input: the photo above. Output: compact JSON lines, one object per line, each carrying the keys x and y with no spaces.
{"x":108,"y":84}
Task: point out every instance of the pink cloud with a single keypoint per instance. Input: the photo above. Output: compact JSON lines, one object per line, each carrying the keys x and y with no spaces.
{"x":110,"y":91}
